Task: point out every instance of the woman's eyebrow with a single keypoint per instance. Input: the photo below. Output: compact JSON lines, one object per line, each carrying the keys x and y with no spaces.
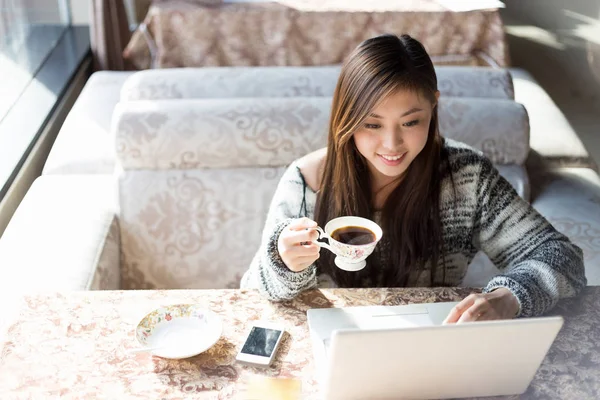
{"x":412,"y":111}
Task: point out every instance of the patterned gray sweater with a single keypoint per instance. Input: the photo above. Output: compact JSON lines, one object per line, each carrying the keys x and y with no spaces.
{"x":539,"y":265}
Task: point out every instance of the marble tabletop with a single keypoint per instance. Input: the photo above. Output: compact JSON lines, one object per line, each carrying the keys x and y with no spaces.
{"x":74,"y":345}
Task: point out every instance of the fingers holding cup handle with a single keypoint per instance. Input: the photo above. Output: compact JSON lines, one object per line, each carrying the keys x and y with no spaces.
{"x":323,"y":235}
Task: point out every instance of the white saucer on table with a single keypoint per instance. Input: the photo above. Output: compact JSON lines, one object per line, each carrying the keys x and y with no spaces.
{"x":179,"y":331}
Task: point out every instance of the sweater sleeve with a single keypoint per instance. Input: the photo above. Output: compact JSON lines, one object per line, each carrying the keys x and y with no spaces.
{"x":267,"y":272}
{"x":539,"y":265}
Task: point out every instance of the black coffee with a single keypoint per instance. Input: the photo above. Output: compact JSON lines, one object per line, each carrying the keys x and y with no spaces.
{"x":354,"y":235}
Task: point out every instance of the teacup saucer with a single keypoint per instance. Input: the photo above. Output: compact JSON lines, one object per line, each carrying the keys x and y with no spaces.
{"x":357,"y":266}
{"x":179,"y":331}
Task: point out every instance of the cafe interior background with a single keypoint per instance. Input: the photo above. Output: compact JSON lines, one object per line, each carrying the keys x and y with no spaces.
{"x":87,"y":85}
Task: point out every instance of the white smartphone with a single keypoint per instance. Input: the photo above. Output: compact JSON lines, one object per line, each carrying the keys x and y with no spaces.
{"x":261,"y":344}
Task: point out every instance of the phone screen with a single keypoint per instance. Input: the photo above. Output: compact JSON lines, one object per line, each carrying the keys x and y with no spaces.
{"x":261,"y":341}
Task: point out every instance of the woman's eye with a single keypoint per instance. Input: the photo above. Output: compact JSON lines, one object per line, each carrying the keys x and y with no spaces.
{"x":411,"y":123}
{"x":372,"y":126}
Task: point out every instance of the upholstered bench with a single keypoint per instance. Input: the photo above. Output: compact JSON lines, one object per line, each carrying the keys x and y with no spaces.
{"x":196,"y":155}
{"x":83,"y":144}
{"x":195,"y":181}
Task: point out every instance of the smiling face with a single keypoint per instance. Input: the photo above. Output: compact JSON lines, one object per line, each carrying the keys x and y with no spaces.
{"x":394,"y":134}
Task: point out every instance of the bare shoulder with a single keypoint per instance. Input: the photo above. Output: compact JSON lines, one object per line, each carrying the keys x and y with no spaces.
{"x":311,"y":167}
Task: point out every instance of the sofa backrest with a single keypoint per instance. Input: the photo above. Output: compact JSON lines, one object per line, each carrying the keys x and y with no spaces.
{"x":198,"y":175}
{"x":232,"y":82}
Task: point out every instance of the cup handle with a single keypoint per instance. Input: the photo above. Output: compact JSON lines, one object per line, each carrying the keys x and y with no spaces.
{"x":323,"y":235}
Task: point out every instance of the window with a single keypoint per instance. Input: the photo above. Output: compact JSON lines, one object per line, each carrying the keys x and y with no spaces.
{"x":29,"y":30}
{"x":40,"y":54}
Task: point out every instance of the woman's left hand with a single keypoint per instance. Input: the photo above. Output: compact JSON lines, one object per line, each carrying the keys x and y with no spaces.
{"x":498,"y":304}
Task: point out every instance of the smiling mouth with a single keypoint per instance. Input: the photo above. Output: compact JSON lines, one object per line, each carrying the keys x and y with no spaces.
{"x":392,"y":158}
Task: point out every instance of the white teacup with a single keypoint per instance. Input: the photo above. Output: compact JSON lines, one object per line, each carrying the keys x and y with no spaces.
{"x":349,"y":257}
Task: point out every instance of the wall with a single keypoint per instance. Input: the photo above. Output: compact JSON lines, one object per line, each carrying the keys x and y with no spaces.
{"x":563,"y":33}
{"x":558,"y":42}
{"x":39,"y":11}
{"x":80,"y":11}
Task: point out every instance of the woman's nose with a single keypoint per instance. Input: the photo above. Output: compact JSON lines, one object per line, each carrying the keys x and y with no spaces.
{"x":393,"y":139}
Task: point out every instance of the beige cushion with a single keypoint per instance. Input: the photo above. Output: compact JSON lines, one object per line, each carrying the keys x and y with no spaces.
{"x":215,"y":82}
{"x":218,"y":133}
{"x":487,"y":82}
{"x":245,"y":132}
{"x":198,"y":176}
{"x":194,"y":228}
{"x":497,"y":127}
{"x":63,"y":236}
{"x":83,"y":145}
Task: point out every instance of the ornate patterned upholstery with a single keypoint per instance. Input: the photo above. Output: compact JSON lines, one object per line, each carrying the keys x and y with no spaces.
{"x":198,"y":175}
{"x":217,"y":82}
{"x":197,"y":171}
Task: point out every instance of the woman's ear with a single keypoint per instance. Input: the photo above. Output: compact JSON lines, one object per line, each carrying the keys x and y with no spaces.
{"x":437,"y":97}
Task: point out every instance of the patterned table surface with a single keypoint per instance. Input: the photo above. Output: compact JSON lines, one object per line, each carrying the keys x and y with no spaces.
{"x":74,"y":345}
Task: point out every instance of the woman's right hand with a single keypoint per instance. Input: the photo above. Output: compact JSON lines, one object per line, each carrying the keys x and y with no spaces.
{"x":295,"y":244}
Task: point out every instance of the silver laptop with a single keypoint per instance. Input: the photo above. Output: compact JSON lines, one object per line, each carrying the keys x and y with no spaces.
{"x":396,"y":352}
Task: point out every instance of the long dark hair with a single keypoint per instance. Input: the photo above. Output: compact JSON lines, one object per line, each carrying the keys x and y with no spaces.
{"x":410,"y":219}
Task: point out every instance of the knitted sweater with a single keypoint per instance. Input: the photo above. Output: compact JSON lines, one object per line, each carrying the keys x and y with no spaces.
{"x":539,"y":265}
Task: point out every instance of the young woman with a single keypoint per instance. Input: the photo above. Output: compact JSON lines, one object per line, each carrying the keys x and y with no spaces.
{"x":438,"y":201}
